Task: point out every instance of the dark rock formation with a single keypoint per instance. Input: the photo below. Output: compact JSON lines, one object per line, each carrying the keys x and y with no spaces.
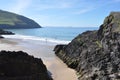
{"x":95,"y":55}
{"x":21,"y":66}
{"x":1,"y":37}
{"x":3,"y":32}
{"x":10,"y":20}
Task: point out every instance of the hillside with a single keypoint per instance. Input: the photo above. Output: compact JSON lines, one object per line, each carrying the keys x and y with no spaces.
{"x":95,"y":55}
{"x":12,"y":20}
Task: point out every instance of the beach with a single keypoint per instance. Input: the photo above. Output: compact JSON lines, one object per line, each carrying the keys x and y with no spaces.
{"x":43,"y":50}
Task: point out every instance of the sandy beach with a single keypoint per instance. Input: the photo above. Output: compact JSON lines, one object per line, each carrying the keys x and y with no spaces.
{"x":43,"y":50}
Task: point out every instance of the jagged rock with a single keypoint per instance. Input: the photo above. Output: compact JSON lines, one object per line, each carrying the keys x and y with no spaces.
{"x":95,"y":55}
{"x":21,"y":66}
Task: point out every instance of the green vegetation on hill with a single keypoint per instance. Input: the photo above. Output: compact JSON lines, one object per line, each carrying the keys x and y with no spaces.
{"x":11,"y":20}
{"x":8,"y":18}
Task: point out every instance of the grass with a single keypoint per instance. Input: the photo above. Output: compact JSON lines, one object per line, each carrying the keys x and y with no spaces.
{"x":7,"y":21}
{"x":9,"y":18}
{"x":99,"y":44}
{"x":13,"y":20}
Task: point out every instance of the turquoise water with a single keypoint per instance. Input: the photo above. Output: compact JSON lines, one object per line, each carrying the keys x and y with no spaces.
{"x":53,"y":33}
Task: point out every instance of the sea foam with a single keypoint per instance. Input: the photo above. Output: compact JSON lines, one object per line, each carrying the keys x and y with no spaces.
{"x":24,"y":37}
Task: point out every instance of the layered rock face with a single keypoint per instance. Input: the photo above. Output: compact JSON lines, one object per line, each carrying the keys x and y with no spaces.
{"x":95,"y":55}
{"x":21,"y":66}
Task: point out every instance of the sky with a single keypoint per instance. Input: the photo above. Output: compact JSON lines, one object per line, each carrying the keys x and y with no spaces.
{"x":63,"y":13}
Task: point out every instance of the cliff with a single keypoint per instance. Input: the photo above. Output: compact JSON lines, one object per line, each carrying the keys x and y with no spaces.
{"x":21,"y":66}
{"x":12,"y":20}
{"x":95,"y":55}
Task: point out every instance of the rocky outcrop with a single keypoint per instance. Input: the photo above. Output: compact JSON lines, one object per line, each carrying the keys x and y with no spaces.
{"x":21,"y":66}
{"x":1,"y":37}
{"x":3,"y":32}
{"x":10,"y":20}
{"x":95,"y":55}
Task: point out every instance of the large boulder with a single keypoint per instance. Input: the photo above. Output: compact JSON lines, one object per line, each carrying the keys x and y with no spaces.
{"x":95,"y":55}
{"x":21,"y":66}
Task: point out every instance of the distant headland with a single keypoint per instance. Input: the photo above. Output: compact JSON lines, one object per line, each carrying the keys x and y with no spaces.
{"x":10,"y":20}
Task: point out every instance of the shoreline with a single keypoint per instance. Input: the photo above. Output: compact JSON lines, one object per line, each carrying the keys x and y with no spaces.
{"x":43,"y":50}
{"x":35,"y":38}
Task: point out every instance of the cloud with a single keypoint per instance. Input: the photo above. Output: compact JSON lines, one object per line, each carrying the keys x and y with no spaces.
{"x":46,"y":6}
{"x":20,"y":5}
{"x":89,"y":6}
{"x":85,"y":10}
{"x":54,"y":4}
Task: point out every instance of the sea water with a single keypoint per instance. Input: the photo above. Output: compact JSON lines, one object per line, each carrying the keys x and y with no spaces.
{"x":51,"y":34}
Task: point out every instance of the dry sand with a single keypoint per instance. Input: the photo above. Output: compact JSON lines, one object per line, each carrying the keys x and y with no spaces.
{"x":43,"y":50}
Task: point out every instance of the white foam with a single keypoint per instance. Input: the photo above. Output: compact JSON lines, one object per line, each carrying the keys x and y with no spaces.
{"x":24,"y":37}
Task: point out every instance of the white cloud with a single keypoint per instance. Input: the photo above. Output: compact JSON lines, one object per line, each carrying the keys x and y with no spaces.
{"x":46,"y":6}
{"x":54,"y":4}
{"x":89,"y":6}
{"x":85,"y":10}
{"x":20,"y":5}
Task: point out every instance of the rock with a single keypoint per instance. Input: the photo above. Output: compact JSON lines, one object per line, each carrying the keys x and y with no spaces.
{"x":58,"y":48}
{"x":3,"y":32}
{"x":21,"y":66}
{"x":10,"y":20}
{"x":1,"y":37}
{"x":95,"y":55}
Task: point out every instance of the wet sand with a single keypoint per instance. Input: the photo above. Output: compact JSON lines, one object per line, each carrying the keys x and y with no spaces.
{"x":43,"y":50}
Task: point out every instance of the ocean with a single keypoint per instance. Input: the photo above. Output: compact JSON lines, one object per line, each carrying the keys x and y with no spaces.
{"x":51,"y":34}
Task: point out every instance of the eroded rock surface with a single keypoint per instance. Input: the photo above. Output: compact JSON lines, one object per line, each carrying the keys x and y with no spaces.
{"x":95,"y":55}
